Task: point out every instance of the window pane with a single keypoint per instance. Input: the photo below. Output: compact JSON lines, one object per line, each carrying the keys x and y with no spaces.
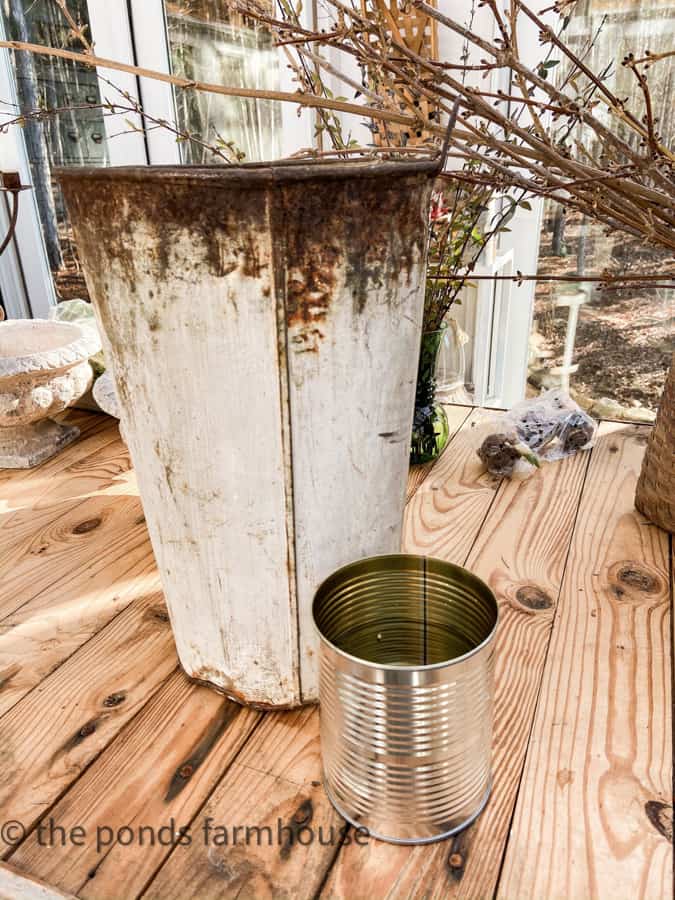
{"x":71,"y":137}
{"x":209,"y":43}
{"x":612,"y":346}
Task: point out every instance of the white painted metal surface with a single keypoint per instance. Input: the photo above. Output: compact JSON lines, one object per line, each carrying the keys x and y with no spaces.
{"x":265,"y":351}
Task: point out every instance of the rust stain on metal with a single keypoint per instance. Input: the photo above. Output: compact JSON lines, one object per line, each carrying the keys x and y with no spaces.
{"x":185,"y":230}
{"x":341,"y":227}
{"x":347,"y":250}
{"x":213,"y":678}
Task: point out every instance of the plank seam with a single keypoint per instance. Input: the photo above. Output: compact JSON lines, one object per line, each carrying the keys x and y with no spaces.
{"x":75,"y":651}
{"x":469,"y":410}
{"x":556,"y":612}
{"x":329,"y":868}
{"x":204,"y":804}
{"x":151,"y":878}
{"x":49,"y":809}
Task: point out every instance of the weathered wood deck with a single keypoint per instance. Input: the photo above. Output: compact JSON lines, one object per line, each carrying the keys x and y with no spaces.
{"x":104,"y":741}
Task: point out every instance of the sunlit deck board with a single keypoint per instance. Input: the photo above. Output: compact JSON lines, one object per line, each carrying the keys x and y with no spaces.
{"x":256,"y":769}
{"x":74,"y":551}
{"x":457,"y":415}
{"x":162,"y":768}
{"x":597,"y":786}
{"x":520,"y":551}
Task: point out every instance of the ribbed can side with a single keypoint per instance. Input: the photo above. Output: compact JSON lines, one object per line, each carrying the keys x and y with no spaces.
{"x":406,"y":688}
{"x":407,"y":751}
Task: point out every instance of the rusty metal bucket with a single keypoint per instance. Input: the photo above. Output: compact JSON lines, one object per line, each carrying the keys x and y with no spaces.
{"x":406,"y":694}
{"x":263,"y":326}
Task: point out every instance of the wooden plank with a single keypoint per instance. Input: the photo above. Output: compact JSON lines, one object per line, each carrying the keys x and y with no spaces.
{"x":64,"y":475}
{"x":520,"y":552}
{"x":274,"y":784}
{"x":277,"y":777}
{"x":48,"y":738}
{"x":15,"y":886}
{"x":82,"y":543}
{"x":35,"y":640}
{"x":444,"y":516}
{"x":150,"y":783}
{"x":457,"y":415}
{"x":25,"y":512}
{"x":73,"y":553}
{"x":596,"y":794}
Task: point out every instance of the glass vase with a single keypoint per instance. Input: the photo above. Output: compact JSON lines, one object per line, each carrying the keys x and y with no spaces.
{"x":430,"y":424}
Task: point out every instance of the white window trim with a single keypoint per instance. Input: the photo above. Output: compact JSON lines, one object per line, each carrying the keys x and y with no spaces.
{"x":27,"y":289}
{"x":152,"y":52}
{"x":111,"y":34}
{"x":25,"y":277}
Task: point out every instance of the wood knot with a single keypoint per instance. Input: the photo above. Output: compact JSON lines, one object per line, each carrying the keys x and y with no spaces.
{"x":87,"y":525}
{"x":661,"y":817}
{"x":186,"y":771}
{"x":456,"y":859}
{"x":113,"y":700}
{"x":155,"y":614}
{"x":631,"y":581}
{"x":303,"y":813}
{"x":638,"y":578}
{"x":87,"y":729}
{"x":533,"y":597}
{"x":298,"y":821}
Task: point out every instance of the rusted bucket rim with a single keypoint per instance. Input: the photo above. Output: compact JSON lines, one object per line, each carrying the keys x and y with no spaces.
{"x":287,"y":170}
{"x":450,"y":570}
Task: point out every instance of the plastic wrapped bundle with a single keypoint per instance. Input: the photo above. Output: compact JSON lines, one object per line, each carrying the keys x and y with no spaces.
{"x":545,"y":428}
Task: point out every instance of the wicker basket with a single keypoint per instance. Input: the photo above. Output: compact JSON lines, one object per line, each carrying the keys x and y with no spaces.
{"x":655,"y":494}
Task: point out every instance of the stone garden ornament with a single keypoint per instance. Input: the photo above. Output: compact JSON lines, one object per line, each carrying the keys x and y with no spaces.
{"x":44,"y":368}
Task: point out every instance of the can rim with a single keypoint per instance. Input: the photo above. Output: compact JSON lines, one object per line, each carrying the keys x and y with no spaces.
{"x":409,"y":842}
{"x":391,"y":667}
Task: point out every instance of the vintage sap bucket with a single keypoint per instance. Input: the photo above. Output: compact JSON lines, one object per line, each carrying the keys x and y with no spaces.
{"x":263,"y":325}
{"x":406,"y":695}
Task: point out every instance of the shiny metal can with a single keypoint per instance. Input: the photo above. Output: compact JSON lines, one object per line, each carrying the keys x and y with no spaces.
{"x":406,"y":695}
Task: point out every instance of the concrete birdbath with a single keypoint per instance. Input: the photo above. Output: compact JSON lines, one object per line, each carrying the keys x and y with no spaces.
{"x":44,"y":368}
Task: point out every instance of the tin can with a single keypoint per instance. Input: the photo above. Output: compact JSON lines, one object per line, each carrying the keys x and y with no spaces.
{"x":406,"y":692}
